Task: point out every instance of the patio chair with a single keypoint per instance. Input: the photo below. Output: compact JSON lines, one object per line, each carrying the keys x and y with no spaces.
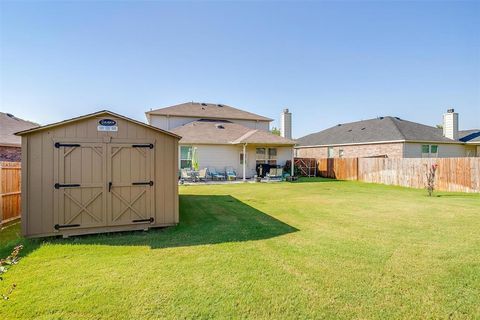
{"x":275,"y":174}
{"x":214,"y":174}
{"x":231,"y":174}
{"x":202,"y":174}
{"x":186,"y":174}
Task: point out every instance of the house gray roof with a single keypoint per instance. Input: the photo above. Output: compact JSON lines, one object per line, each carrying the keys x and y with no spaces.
{"x":375,"y":130}
{"x":469,"y":136}
{"x":207,"y":111}
{"x":225,"y":132}
{"x":9,"y":124}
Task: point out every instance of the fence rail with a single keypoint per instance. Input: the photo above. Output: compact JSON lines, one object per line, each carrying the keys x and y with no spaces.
{"x":453,"y":174}
{"x":10,"y":194}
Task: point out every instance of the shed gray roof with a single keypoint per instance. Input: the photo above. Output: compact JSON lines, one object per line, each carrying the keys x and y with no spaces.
{"x":207,"y":110}
{"x":374,"y":130}
{"x":225,"y":132}
{"x":9,"y":124}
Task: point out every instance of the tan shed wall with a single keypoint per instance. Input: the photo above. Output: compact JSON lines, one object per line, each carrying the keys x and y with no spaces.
{"x":392,"y":150}
{"x":38,"y":170}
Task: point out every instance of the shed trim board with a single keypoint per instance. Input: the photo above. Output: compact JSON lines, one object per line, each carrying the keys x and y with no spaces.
{"x":95,"y":114}
{"x":98,"y":182}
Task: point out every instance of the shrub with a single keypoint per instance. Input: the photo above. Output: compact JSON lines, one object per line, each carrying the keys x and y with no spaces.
{"x":431,"y":171}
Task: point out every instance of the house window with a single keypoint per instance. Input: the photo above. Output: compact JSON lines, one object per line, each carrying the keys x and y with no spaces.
{"x":425,"y":149}
{"x":272,"y":156}
{"x":266,"y":155}
{"x":185,"y":157}
{"x":340,"y":153}
{"x":331,"y":153}
{"x":260,"y":155}
{"x":429,"y":151}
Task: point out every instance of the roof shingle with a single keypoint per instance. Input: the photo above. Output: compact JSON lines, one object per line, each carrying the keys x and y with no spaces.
{"x":9,"y":124}
{"x":225,"y":132}
{"x":374,"y":130}
{"x":207,"y":110}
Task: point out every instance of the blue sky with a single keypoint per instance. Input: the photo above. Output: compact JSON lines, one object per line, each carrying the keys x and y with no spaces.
{"x":329,"y":62}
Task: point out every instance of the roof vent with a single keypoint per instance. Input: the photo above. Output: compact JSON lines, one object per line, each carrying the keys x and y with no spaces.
{"x":381,"y":118}
{"x":10,"y":115}
{"x":219,"y":126}
{"x":204,"y":104}
{"x":339,"y":125}
{"x":220,"y":105}
{"x":350,"y":130}
{"x":398,"y":118}
{"x":362,"y":129}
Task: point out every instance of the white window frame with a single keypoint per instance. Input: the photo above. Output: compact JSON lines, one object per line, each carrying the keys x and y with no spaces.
{"x":266,"y":157}
{"x":330,"y":152}
{"x":429,"y":154}
{"x":189,"y":157}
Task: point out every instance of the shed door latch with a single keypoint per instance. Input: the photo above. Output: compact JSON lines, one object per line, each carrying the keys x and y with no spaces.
{"x":60,"y":226}
{"x":59,"y":185}
{"x":150,"y":145}
{"x":144,"y":220}
{"x":149,"y":183}
{"x":58,"y":145}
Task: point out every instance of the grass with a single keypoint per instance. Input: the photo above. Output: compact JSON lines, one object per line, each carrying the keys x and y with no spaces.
{"x":314,"y":249}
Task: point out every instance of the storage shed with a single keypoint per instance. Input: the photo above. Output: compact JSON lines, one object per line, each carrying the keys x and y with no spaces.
{"x":96,"y":173}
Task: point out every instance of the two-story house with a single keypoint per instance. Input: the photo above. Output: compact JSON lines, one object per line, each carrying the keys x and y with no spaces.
{"x":225,"y":137}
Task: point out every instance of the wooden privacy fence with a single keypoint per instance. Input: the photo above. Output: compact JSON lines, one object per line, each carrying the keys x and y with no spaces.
{"x":10,"y":194}
{"x":453,"y":174}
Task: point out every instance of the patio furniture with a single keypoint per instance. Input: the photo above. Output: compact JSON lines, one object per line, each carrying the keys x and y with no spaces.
{"x":186,"y":174}
{"x":230,"y":173}
{"x":275,"y":174}
{"x":202,"y":174}
{"x":214,"y":174}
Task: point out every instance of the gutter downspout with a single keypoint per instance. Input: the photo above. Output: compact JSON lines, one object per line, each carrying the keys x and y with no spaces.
{"x":244,"y":162}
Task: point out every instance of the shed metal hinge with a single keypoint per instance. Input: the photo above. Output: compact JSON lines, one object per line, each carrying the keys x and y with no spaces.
{"x":59,"y":226}
{"x":150,"y":145}
{"x":58,"y":185}
{"x":58,"y":145}
{"x":150,"y":183}
{"x":144,"y":220}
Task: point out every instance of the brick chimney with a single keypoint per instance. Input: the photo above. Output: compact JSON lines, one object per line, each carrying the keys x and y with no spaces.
{"x":450,"y":124}
{"x":286,"y":124}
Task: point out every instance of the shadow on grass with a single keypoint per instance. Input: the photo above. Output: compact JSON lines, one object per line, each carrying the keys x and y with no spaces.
{"x":204,"y":219}
{"x":315,"y":179}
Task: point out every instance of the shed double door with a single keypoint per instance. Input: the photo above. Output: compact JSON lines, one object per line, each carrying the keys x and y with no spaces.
{"x":104,"y":184}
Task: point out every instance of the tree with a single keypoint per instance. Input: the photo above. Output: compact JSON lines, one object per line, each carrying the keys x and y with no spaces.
{"x":275,"y":131}
{"x":430,"y":175}
{"x":439,"y":126}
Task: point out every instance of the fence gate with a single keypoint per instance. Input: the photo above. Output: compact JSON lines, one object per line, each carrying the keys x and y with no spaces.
{"x":80,"y":185}
{"x":130,"y":184}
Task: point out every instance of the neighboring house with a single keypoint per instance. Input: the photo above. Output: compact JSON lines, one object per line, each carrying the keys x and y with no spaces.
{"x":10,"y":145}
{"x":391,"y":137}
{"x":224,"y":137}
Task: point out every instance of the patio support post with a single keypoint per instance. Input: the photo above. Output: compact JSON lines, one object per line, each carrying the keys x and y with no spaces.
{"x":293,"y":164}
{"x":244,"y":161}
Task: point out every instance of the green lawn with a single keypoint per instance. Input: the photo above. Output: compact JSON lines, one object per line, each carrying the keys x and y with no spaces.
{"x":312,"y":249}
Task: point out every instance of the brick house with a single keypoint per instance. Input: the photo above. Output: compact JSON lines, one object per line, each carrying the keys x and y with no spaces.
{"x":10,"y":145}
{"x":391,"y":137}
